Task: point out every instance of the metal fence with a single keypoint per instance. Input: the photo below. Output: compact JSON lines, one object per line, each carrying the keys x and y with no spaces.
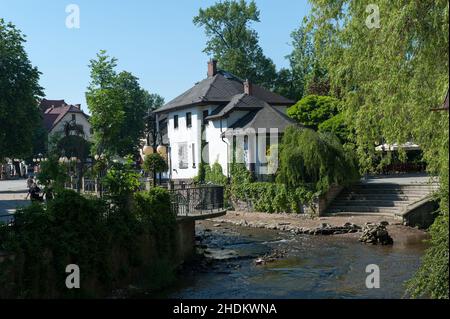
{"x":186,"y":200}
{"x":191,"y":201}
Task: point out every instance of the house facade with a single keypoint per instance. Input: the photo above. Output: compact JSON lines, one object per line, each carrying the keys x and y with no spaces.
{"x":57,"y":113}
{"x":221,"y":119}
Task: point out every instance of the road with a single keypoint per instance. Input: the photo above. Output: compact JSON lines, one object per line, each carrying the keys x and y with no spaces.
{"x":12,"y":196}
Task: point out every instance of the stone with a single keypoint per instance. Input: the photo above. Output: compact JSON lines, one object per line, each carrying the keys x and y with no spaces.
{"x":376,"y":234}
{"x":259,"y":261}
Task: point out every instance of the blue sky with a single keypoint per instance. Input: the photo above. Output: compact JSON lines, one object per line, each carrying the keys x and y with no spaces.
{"x":155,"y":40}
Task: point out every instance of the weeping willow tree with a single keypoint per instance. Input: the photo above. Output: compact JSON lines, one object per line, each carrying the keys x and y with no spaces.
{"x":388,"y":63}
{"x":315,"y":160}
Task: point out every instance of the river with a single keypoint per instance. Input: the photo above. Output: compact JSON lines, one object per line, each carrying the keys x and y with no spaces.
{"x":311,"y":266}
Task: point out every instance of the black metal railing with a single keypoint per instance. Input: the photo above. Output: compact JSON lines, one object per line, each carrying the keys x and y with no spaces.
{"x":198,"y":200}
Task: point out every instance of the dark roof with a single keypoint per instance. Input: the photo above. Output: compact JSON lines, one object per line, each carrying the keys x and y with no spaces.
{"x":44,"y":104}
{"x":220,"y":89}
{"x":49,"y":103}
{"x":242,"y":102}
{"x":54,"y":115}
{"x":265,"y":118}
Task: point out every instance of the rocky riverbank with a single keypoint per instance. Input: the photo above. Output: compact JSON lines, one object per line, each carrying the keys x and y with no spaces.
{"x":350,"y":226}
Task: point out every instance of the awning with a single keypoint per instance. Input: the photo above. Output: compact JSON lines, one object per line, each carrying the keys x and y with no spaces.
{"x":409,"y":146}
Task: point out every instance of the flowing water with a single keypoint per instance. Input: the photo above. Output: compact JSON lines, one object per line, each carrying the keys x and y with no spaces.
{"x":312,"y":266}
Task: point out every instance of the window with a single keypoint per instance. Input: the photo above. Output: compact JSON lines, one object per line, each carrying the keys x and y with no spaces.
{"x":188,"y":119}
{"x":73,"y":117}
{"x":175,"y":121}
{"x":193,"y":155}
{"x":205,"y":115}
{"x":182,"y":156}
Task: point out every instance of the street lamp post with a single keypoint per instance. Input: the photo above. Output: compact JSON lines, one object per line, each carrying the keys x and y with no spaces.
{"x":154,"y":142}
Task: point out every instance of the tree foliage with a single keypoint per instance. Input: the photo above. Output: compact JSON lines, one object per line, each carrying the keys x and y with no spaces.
{"x":306,"y":74}
{"x":90,"y":233}
{"x":389,"y":78}
{"x":118,"y":105}
{"x":322,"y":113}
{"x":153,"y":101}
{"x":314,"y":160}
{"x":313,"y":110}
{"x":155,"y":163}
{"x":19,"y":93}
{"x":233,"y":42}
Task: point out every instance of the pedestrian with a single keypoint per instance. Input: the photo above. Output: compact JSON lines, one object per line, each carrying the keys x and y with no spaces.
{"x":34,"y":193}
{"x":30,"y":181}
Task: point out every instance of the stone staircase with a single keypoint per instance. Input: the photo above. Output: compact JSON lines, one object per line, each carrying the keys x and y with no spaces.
{"x":380,"y":199}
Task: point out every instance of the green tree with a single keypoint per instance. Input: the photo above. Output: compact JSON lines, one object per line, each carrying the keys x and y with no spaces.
{"x":339,"y":127}
{"x":19,"y":93}
{"x":52,"y":175}
{"x":313,"y":110}
{"x":389,"y":78}
{"x":155,"y":163}
{"x":233,"y":42}
{"x":305,"y":75}
{"x":118,"y":105}
{"x":315,"y":160}
{"x":153,"y":101}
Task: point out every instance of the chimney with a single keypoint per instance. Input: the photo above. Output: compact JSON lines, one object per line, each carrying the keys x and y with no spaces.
{"x":78,"y":106}
{"x":248,"y":87}
{"x":212,"y":68}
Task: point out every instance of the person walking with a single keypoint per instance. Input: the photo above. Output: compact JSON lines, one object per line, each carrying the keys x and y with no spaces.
{"x":30,"y":182}
{"x":34,"y":193}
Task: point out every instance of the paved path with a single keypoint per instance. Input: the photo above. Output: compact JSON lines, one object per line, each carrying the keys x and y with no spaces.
{"x":12,"y":196}
{"x":418,"y":178}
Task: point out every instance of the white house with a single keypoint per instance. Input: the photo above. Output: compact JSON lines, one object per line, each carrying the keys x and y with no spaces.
{"x":56,"y":113}
{"x":220,"y":117}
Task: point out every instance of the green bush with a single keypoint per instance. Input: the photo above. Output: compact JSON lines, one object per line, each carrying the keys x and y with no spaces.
{"x":52,"y":175}
{"x":273,"y":197}
{"x":104,"y":240}
{"x":122,"y":181}
{"x":153,"y":210}
{"x":155,"y":163}
{"x":211,"y":174}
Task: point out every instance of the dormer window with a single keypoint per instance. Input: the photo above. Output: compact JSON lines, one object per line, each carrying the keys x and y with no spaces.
{"x":188,"y":119}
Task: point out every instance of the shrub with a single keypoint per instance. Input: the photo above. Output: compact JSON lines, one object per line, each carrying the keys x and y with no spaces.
{"x":155,"y":163}
{"x":153,"y":210}
{"x":211,"y":174}
{"x":103,"y":240}
{"x":273,"y":197}
{"x":52,"y":175}
{"x":122,"y":181}
{"x":215,"y":175}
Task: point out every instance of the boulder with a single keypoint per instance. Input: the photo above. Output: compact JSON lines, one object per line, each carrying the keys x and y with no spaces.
{"x":376,"y":234}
